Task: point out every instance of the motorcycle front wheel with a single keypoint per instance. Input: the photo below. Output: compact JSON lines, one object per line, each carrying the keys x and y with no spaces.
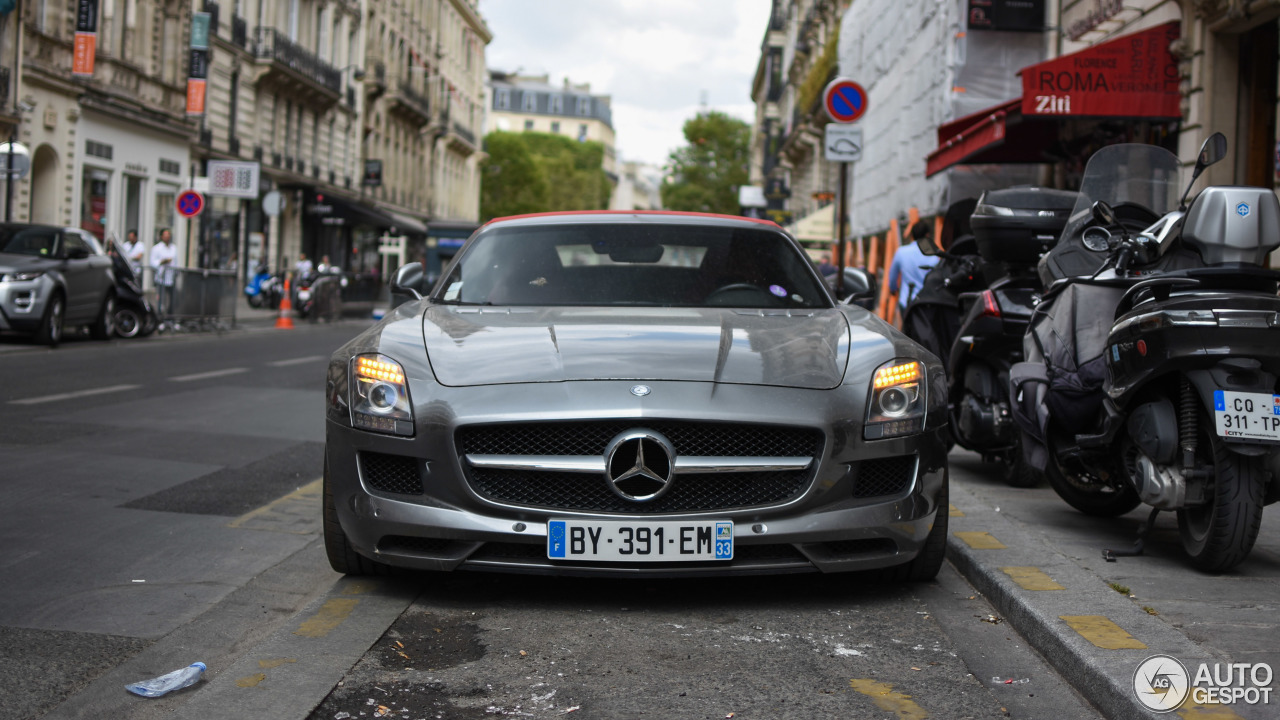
{"x":1085,"y":492}
{"x":128,"y":322}
{"x":1219,"y":534}
{"x":255,"y":300}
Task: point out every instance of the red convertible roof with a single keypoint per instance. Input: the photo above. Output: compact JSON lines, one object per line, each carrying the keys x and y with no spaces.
{"x":670,"y":213}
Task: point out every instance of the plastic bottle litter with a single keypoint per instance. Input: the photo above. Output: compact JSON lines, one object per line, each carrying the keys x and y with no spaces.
{"x":155,"y":687}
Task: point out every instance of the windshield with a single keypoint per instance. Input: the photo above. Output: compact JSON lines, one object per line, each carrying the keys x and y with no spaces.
{"x":1126,"y":174}
{"x":616,"y":264}
{"x":27,"y":240}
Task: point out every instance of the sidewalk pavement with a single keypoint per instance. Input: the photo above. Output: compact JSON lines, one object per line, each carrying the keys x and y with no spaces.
{"x":1040,"y":564}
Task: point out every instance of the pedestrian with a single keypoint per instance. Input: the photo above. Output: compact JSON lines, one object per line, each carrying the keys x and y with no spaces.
{"x":163,"y":256}
{"x":324,"y":266}
{"x":134,"y":252}
{"x":304,"y":266}
{"x":825,"y":267}
{"x":906,"y":273}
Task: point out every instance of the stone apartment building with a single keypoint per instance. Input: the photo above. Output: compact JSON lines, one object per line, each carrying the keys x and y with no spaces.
{"x":353,"y":142}
{"x":521,"y":103}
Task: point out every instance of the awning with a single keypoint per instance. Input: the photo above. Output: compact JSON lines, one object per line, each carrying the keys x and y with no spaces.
{"x":406,"y":223}
{"x":1133,"y":76}
{"x":332,"y":210}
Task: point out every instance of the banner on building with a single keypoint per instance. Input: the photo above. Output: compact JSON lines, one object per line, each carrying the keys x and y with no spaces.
{"x":372,"y":173}
{"x":199,"y":63}
{"x":86,"y":41}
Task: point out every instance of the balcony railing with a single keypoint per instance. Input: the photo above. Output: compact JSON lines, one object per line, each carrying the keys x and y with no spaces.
{"x":415,"y":103}
{"x":272,"y":44}
{"x":464,"y":132}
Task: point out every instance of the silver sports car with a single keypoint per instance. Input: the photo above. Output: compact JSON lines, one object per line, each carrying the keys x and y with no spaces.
{"x":633,"y":394}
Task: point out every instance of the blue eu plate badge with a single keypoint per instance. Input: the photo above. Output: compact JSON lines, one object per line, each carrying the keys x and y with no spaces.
{"x":555,"y":539}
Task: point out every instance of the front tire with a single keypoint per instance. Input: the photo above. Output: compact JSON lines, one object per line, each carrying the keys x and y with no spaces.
{"x":342,"y":558}
{"x":50,"y":332}
{"x":1087,"y":494}
{"x":104,"y":327}
{"x":1219,"y":534}
{"x":928,"y":563}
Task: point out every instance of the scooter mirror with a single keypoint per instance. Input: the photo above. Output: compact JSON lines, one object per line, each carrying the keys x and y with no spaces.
{"x":1103,"y":213}
{"x":928,"y":246}
{"x":1213,"y":150}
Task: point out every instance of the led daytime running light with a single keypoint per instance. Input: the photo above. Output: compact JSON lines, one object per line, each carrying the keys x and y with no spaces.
{"x":377,"y":370}
{"x":896,"y":375}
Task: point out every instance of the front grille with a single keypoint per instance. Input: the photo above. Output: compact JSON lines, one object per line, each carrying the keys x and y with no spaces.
{"x":885,"y":476}
{"x":688,"y":493}
{"x":391,"y":473}
{"x":590,"y":438}
{"x":496,"y":551}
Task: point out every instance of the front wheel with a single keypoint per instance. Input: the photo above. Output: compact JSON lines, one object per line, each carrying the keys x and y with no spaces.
{"x":50,"y":332}
{"x":105,"y":326}
{"x":128,"y":322}
{"x":1086,"y":492}
{"x":1219,"y":534}
{"x":926,"y":565}
{"x":342,"y":557}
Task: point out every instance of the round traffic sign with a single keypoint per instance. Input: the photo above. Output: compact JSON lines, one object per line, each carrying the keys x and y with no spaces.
{"x":190,"y":203}
{"x":845,"y":100}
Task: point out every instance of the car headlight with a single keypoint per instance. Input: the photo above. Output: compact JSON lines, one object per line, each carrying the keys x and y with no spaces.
{"x":20,"y":276}
{"x":897,"y":400}
{"x":380,"y":400}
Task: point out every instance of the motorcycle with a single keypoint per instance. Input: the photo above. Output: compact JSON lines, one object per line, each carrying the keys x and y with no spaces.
{"x":1152,"y":361}
{"x":1012,"y":228}
{"x":264,"y":290}
{"x":134,"y":315}
{"x":933,"y":317}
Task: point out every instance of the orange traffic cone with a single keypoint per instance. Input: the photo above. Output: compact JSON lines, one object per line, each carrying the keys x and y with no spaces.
{"x":286,"y":309}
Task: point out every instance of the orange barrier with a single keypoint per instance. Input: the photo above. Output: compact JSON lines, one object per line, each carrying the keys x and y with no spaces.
{"x":285,"y":320}
{"x":890,"y":247}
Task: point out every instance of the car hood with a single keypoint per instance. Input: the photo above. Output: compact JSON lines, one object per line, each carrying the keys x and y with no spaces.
{"x":487,"y":345}
{"x":13,"y":262}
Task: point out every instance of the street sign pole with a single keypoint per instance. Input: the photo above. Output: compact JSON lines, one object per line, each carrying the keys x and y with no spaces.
{"x":845,"y":101}
{"x":841,"y":208}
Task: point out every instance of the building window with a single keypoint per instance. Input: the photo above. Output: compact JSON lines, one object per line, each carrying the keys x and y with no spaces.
{"x":557,"y":104}
{"x":528,"y":125}
{"x":584,"y":106}
{"x":97,"y":149}
{"x":530,"y":101}
{"x":170,"y":167}
{"x":555,"y":127}
{"x":233,"y":104}
{"x":582,"y":133}
{"x":502,"y":99}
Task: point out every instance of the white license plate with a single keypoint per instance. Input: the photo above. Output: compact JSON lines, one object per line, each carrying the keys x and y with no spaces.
{"x":1248,"y":416}
{"x":632,"y":541}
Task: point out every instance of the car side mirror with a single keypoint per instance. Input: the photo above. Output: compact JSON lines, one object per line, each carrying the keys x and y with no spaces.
{"x":77,"y":253}
{"x":407,"y":284}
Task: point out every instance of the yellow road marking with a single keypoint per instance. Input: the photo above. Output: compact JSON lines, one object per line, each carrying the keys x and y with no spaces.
{"x":251,"y":680}
{"x":1100,"y":631}
{"x":297,"y":513}
{"x":275,"y":662}
{"x":358,"y":587}
{"x":956,"y":512}
{"x":329,"y":616}
{"x":980,"y":540}
{"x":1031,"y":578}
{"x":886,"y":699}
{"x":1196,"y":711}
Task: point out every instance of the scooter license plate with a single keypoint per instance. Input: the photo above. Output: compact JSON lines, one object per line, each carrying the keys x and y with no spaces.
{"x":1247,"y":416}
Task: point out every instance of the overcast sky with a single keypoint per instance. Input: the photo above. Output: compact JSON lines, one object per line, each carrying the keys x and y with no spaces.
{"x":655,"y":57}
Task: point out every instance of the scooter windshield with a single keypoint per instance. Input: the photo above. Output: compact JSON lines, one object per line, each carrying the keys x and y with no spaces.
{"x":1126,"y":174}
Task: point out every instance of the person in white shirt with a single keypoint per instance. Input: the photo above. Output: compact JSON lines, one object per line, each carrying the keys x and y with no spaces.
{"x":163,"y":255}
{"x":134,"y":251}
{"x":304,"y":266}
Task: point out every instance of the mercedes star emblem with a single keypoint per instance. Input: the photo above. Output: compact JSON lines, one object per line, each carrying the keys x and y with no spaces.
{"x":640,"y":390}
{"x":639,"y":464}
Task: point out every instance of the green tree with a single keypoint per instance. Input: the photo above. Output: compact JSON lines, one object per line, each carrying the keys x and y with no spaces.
{"x":704,"y":176}
{"x":541,"y":172}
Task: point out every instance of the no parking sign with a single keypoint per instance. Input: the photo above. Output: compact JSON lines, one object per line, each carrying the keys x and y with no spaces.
{"x":189,"y":203}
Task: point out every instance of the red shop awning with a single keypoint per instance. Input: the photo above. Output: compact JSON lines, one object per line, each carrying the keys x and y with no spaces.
{"x":1133,"y":76}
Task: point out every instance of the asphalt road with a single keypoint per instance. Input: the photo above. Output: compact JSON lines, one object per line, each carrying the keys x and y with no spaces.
{"x":159,"y":507}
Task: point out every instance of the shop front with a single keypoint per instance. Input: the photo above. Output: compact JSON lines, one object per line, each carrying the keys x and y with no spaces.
{"x":127,"y":179}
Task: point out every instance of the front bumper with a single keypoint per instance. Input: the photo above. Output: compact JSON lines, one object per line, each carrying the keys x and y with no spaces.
{"x":22,"y":303}
{"x":449,"y":526}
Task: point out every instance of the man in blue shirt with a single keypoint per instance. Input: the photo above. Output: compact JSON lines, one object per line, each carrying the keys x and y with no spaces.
{"x":906,"y":274}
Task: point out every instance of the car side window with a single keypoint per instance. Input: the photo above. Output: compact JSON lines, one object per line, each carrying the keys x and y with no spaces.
{"x":72,"y":242}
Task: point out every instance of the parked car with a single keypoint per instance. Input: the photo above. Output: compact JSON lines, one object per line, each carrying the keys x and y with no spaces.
{"x":52,"y":278}
{"x":663,"y":394}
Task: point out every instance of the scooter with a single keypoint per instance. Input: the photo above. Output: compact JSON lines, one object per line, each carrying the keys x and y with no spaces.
{"x":264,"y":290}
{"x":1152,"y":361}
{"x":933,"y":317}
{"x":1012,"y":228}
{"x":134,"y":316}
